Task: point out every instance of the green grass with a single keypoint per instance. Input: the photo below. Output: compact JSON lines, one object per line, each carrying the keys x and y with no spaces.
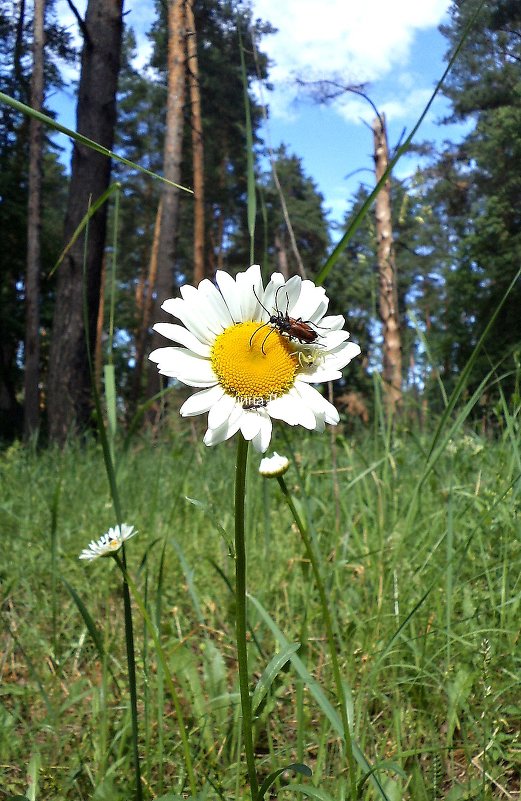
{"x":423,"y":575}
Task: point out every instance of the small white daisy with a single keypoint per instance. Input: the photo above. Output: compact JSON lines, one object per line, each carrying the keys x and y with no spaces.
{"x":273,"y":466}
{"x":108,"y":543}
{"x":254,"y":353}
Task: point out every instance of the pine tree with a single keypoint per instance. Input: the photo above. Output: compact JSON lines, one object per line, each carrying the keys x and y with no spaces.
{"x":69,"y":389}
{"x":482,"y":186}
{"x":16,"y":38}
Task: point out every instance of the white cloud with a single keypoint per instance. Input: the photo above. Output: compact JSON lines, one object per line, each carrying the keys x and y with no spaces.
{"x":361,"y":41}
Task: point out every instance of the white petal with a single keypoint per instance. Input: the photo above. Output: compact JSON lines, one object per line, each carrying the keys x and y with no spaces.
{"x":207,"y":303}
{"x":345,"y":353}
{"x":321,"y":423}
{"x":282,"y":409}
{"x":320,"y":375}
{"x":230,"y":294}
{"x":184,"y":365}
{"x":287,"y":298}
{"x":250,"y":424}
{"x":220,"y":312}
{"x":315,"y":401}
{"x":318,"y":314}
{"x":292,"y":410}
{"x":215,"y":435}
{"x":221,"y":412}
{"x":201,"y":402}
{"x":178,"y":362}
{"x":191,"y":316}
{"x":249,"y":284}
{"x":333,"y":322}
{"x":261,"y":441}
{"x":332,"y":339}
{"x":179,"y":333}
{"x":312,"y":302}
{"x":277,"y":280}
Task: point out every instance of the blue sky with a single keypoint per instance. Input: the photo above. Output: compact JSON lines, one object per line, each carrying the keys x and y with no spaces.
{"x":395,"y":47}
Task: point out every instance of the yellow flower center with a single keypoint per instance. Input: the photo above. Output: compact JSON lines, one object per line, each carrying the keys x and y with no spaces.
{"x":253,"y":364}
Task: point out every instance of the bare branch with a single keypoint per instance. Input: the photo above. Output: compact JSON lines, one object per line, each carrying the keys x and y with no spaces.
{"x":81,"y":23}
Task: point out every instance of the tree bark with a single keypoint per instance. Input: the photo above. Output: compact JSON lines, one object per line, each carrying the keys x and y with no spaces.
{"x":171,"y":170}
{"x":33,"y":265}
{"x":197,"y":143}
{"x":388,"y":291}
{"x":69,"y":390}
{"x":282,"y":256}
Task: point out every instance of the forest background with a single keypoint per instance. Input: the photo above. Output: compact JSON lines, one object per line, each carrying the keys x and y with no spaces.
{"x":412,"y":503}
{"x":455,"y":223}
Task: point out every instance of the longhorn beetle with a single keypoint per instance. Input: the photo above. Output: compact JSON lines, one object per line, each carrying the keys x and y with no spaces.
{"x":295,"y":328}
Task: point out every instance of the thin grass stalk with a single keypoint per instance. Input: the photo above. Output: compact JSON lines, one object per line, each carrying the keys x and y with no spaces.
{"x":240,"y":613}
{"x":54,"y":567}
{"x":166,"y":671}
{"x":111,"y":473}
{"x":449,"y":544}
{"x":83,"y":140}
{"x":328,"y":622}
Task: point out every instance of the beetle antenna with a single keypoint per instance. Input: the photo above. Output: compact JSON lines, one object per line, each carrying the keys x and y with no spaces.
{"x":256,"y":332}
{"x":260,"y":301}
{"x":265,"y":338}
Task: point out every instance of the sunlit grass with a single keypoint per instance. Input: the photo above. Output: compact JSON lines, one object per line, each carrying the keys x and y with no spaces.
{"x":427,"y":608}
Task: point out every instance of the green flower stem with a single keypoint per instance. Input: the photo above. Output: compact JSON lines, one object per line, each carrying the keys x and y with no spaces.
{"x":328,"y":622}
{"x":168,"y":676}
{"x":131,"y":665}
{"x":240,"y":613}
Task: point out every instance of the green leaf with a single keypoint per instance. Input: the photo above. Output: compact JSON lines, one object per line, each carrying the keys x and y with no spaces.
{"x":33,"y":770}
{"x":318,"y":694}
{"x":110,"y":398}
{"x":298,"y":767}
{"x":83,"y":140}
{"x":270,"y":673}
{"x":312,"y":792}
{"x":93,"y":208}
{"x":93,"y":630}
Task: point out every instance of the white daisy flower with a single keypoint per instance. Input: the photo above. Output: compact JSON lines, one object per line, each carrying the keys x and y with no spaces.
{"x":273,"y":466}
{"x":108,"y":543}
{"x":254,"y":353}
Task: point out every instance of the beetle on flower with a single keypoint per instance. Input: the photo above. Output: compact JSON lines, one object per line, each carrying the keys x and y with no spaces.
{"x":219,"y":354}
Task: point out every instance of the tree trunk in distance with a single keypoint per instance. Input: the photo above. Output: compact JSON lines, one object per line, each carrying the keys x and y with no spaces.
{"x":388,"y":292}
{"x":34,"y":225}
{"x":172,"y":171}
{"x":69,"y":390}
{"x":282,"y":256}
{"x":197,"y":143}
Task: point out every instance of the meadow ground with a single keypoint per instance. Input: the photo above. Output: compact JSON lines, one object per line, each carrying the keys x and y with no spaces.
{"x":421,"y":555}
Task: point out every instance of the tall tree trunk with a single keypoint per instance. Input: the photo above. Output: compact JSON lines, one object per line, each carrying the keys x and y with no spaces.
{"x":32,"y":278}
{"x":171,"y":170}
{"x":69,"y":391}
{"x":197,"y":143}
{"x":388,"y":289}
{"x":282,"y":256}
